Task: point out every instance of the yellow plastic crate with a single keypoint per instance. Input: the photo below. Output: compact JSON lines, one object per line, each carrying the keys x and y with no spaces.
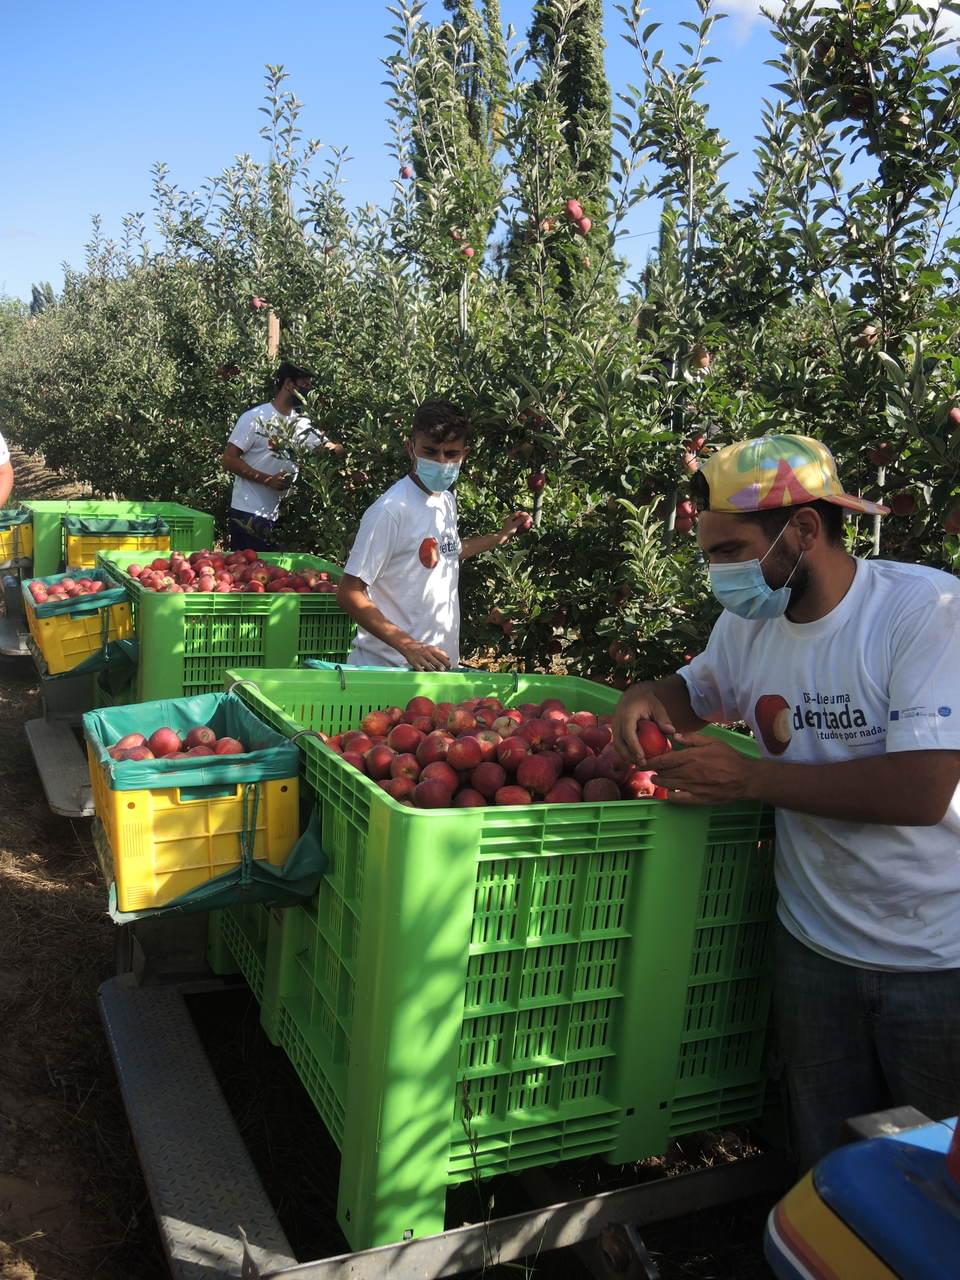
{"x":166,"y":841}
{"x":82,"y":549}
{"x":16,"y":543}
{"x":65,"y":640}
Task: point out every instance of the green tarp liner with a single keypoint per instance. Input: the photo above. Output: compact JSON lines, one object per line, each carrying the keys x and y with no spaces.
{"x":252,"y":881}
{"x":10,"y":516}
{"x":81,"y":526}
{"x":78,"y":605}
{"x":270,"y":755}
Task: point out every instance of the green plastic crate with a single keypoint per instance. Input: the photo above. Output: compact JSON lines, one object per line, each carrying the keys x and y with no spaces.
{"x":188,"y":528}
{"x":479,"y":991}
{"x":186,"y":642}
{"x":237,"y":942}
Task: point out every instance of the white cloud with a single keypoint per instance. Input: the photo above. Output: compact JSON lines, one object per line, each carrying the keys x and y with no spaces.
{"x":748,"y":11}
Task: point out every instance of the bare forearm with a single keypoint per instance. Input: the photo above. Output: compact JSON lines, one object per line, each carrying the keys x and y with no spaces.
{"x":6,"y":483}
{"x":483,"y":542}
{"x":238,"y":467}
{"x":902,"y":789}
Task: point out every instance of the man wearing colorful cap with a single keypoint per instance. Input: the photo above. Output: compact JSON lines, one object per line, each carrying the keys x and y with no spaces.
{"x":848,"y":673}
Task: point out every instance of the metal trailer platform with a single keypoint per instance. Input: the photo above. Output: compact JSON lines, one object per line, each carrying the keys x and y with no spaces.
{"x":215,"y":1217}
{"x":62,"y":765}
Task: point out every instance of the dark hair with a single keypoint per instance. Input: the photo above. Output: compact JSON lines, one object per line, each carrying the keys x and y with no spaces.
{"x":440,"y":421}
{"x":291,"y":371}
{"x":773,"y":521}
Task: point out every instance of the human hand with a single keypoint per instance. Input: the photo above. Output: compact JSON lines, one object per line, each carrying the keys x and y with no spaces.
{"x":638,"y":703}
{"x":705,"y":772}
{"x":280,"y":482}
{"x":519,"y":522}
{"x":424,"y":657}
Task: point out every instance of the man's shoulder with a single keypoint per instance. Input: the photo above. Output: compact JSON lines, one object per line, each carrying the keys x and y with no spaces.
{"x":400,"y":497}
{"x":263,"y":412}
{"x":908,"y":584}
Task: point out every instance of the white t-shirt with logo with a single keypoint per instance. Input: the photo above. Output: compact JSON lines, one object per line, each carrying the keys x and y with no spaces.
{"x":880,"y":673}
{"x":252,"y":436}
{"x":399,"y":538}
{"x":4,"y":452}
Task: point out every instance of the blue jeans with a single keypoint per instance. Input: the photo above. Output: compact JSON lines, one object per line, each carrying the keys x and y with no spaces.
{"x":857,"y":1040}
{"x":249,"y":532}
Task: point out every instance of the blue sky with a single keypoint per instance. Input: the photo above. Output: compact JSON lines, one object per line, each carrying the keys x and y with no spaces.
{"x":99,"y":91}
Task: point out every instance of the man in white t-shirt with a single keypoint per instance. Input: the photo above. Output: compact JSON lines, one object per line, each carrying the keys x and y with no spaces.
{"x":254,"y":455}
{"x":401,"y":581}
{"x":848,"y":673}
{"x":6,"y":473}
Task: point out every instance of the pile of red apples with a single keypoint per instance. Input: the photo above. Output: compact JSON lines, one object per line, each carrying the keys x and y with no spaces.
{"x":228,"y":572}
{"x":478,"y":752}
{"x":166,"y":744}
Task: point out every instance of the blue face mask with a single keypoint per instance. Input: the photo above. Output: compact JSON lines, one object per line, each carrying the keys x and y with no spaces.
{"x":744,"y":590}
{"x":436,"y":476}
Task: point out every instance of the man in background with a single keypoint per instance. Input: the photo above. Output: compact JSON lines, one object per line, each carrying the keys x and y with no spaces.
{"x":253,"y":455}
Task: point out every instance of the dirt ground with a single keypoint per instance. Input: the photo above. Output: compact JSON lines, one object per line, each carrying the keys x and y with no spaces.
{"x":72,"y":1200}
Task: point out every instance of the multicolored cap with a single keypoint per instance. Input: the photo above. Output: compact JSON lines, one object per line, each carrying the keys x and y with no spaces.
{"x":778,"y":471}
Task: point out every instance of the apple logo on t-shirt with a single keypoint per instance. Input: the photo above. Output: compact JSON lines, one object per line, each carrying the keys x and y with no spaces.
{"x":772,"y":714}
{"x":429,"y":553}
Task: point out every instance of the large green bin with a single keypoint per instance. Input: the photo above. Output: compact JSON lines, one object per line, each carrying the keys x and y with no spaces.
{"x":188,"y":528}
{"x":186,"y":642}
{"x":477,"y":991}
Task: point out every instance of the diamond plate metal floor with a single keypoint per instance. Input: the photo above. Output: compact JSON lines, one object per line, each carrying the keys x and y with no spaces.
{"x":201,"y":1181}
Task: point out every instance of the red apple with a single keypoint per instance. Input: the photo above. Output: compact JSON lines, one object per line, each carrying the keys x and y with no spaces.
{"x":469,"y":799}
{"x":131,"y":740}
{"x":419,"y":707}
{"x":441,"y":772}
{"x":513,"y":795}
{"x":573,"y":209}
{"x":405,"y":766}
{"x":537,"y":774}
{"x":488,"y":778}
{"x":489,"y":740}
{"x":200,"y":736}
{"x":464,"y":754}
{"x":379,"y":761}
{"x":400,"y":788}
{"x":637,"y":783}
{"x":404,"y":738}
{"x":164,"y":742}
{"x":652,"y":740}
{"x":565,"y":791}
{"x":229,"y":747}
{"x":903,"y":504}
{"x":376,"y":723}
{"x":434,"y":747}
{"x":511,"y":752}
{"x":597,"y":738}
{"x":600,"y":790}
{"x":432,"y":794}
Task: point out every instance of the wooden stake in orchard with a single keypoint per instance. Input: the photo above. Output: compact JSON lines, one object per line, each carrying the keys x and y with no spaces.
{"x":273,"y":334}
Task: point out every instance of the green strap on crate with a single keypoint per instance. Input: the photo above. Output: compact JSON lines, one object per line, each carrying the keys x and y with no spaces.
{"x":252,"y":881}
{"x":270,"y":755}
{"x":78,"y":606}
{"x":93,"y":526}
